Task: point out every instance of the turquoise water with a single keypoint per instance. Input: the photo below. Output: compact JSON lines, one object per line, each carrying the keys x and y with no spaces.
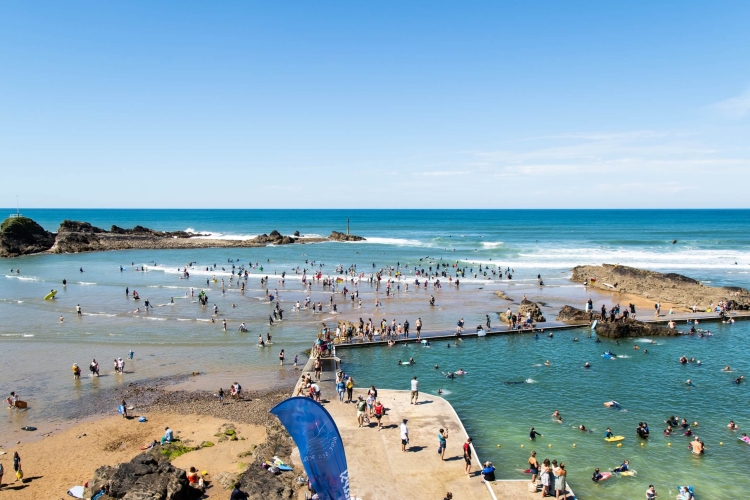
{"x":37,"y":351}
{"x":650,"y":387}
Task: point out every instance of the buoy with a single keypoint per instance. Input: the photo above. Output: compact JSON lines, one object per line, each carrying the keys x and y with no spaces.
{"x":619,"y":445}
{"x":721,"y":443}
{"x":641,"y":444}
{"x":498,"y":446}
{"x":550,"y":446}
{"x":574,"y":445}
{"x":669,"y":444}
{"x":522,"y":446}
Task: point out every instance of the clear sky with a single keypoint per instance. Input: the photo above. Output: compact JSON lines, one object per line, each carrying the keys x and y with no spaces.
{"x":375,"y":104}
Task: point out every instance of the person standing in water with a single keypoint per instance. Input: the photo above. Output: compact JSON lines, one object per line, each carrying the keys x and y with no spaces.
{"x":281,"y":358}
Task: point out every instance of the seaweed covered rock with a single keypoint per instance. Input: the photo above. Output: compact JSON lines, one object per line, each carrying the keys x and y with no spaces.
{"x":22,"y":236}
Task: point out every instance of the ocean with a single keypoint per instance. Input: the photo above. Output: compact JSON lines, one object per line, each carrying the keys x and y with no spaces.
{"x":178,"y":336}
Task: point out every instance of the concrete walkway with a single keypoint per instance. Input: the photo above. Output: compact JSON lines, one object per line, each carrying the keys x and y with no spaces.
{"x":377,"y":466}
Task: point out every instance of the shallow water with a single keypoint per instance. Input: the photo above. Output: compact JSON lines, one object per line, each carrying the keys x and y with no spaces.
{"x":650,"y":387}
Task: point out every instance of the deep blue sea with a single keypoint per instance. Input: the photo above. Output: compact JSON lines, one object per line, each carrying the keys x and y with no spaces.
{"x":178,"y":336}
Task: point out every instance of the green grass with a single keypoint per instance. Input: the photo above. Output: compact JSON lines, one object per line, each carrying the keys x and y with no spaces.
{"x":206,"y":444}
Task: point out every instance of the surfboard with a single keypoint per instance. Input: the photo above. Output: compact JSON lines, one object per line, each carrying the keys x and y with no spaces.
{"x":614,"y":439}
{"x":50,"y":295}
{"x":628,"y":473}
{"x":593,"y":325}
{"x":605,"y":476}
{"x":28,"y":428}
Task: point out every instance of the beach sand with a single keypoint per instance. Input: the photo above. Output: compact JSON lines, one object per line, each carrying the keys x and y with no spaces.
{"x":54,"y":464}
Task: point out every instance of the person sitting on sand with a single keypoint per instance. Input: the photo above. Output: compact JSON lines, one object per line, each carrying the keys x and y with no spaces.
{"x":168,"y":436}
{"x":194,"y":479}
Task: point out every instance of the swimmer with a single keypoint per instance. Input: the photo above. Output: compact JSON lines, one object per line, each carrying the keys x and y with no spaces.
{"x":556,"y":416}
{"x":460,"y":372}
{"x":587,"y":365}
{"x":726,"y":368}
{"x":732,"y":426}
{"x":689,"y":383}
{"x":547,"y":363}
{"x":436,"y":367}
{"x":440,"y":391}
{"x":450,"y":375}
{"x":575,"y":339}
{"x":739,"y":379}
{"x":636,"y":347}
{"x":583,"y":428}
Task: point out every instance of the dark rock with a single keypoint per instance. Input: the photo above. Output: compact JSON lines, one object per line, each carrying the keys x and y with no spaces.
{"x":527,"y":306}
{"x":337,"y":236}
{"x":72,"y":226}
{"x":633,"y":328}
{"x":296,"y":233}
{"x":22,"y":236}
{"x":275,"y":234}
{"x":263,"y":485}
{"x":148,"y":476}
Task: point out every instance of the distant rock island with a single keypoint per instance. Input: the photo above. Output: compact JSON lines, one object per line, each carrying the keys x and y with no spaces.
{"x":23,"y":236}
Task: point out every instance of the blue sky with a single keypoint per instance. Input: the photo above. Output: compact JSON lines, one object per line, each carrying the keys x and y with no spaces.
{"x":375,"y":104}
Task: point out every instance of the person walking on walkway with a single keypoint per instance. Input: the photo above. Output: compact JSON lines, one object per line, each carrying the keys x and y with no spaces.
{"x":467,"y":456}
{"x":414,"y":391}
{"x":404,"y":435}
{"x":442,"y":442}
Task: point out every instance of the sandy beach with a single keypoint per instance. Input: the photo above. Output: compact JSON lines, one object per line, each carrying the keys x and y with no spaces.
{"x":68,"y":457}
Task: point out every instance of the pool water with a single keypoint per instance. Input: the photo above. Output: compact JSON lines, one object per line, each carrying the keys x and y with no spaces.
{"x":649,"y":386}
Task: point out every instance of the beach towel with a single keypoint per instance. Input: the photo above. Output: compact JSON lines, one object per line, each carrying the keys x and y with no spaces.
{"x":76,"y":491}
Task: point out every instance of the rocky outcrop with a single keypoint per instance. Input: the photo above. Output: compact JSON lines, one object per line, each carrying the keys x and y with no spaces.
{"x":337,"y":236}
{"x":632,"y":328}
{"x":275,"y":238}
{"x":22,"y":236}
{"x":263,"y":485}
{"x":527,"y":306}
{"x":670,"y":287}
{"x":572,"y":315}
{"x":502,"y":295}
{"x":147,"y":476}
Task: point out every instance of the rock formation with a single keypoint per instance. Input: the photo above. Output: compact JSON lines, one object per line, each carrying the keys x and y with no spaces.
{"x":147,"y":476}
{"x":527,"y":306}
{"x":22,"y":236}
{"x":502,"y":295}
{"x":572,"y":315}
{"x":671,"y":287}
{"x":337,"y":236}
{"x":263,"y":485}
{"x":632,"y":328}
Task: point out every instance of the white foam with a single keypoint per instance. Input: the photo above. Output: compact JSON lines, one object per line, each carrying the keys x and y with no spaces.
{"x":85,"y":283}
{"x":530,"y":381}
{"x":154,"y":319}
{"x":22,"y":278}
{"x":492,"y":244}
{"x":207,"y":235}
{"x":394,"y":241}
